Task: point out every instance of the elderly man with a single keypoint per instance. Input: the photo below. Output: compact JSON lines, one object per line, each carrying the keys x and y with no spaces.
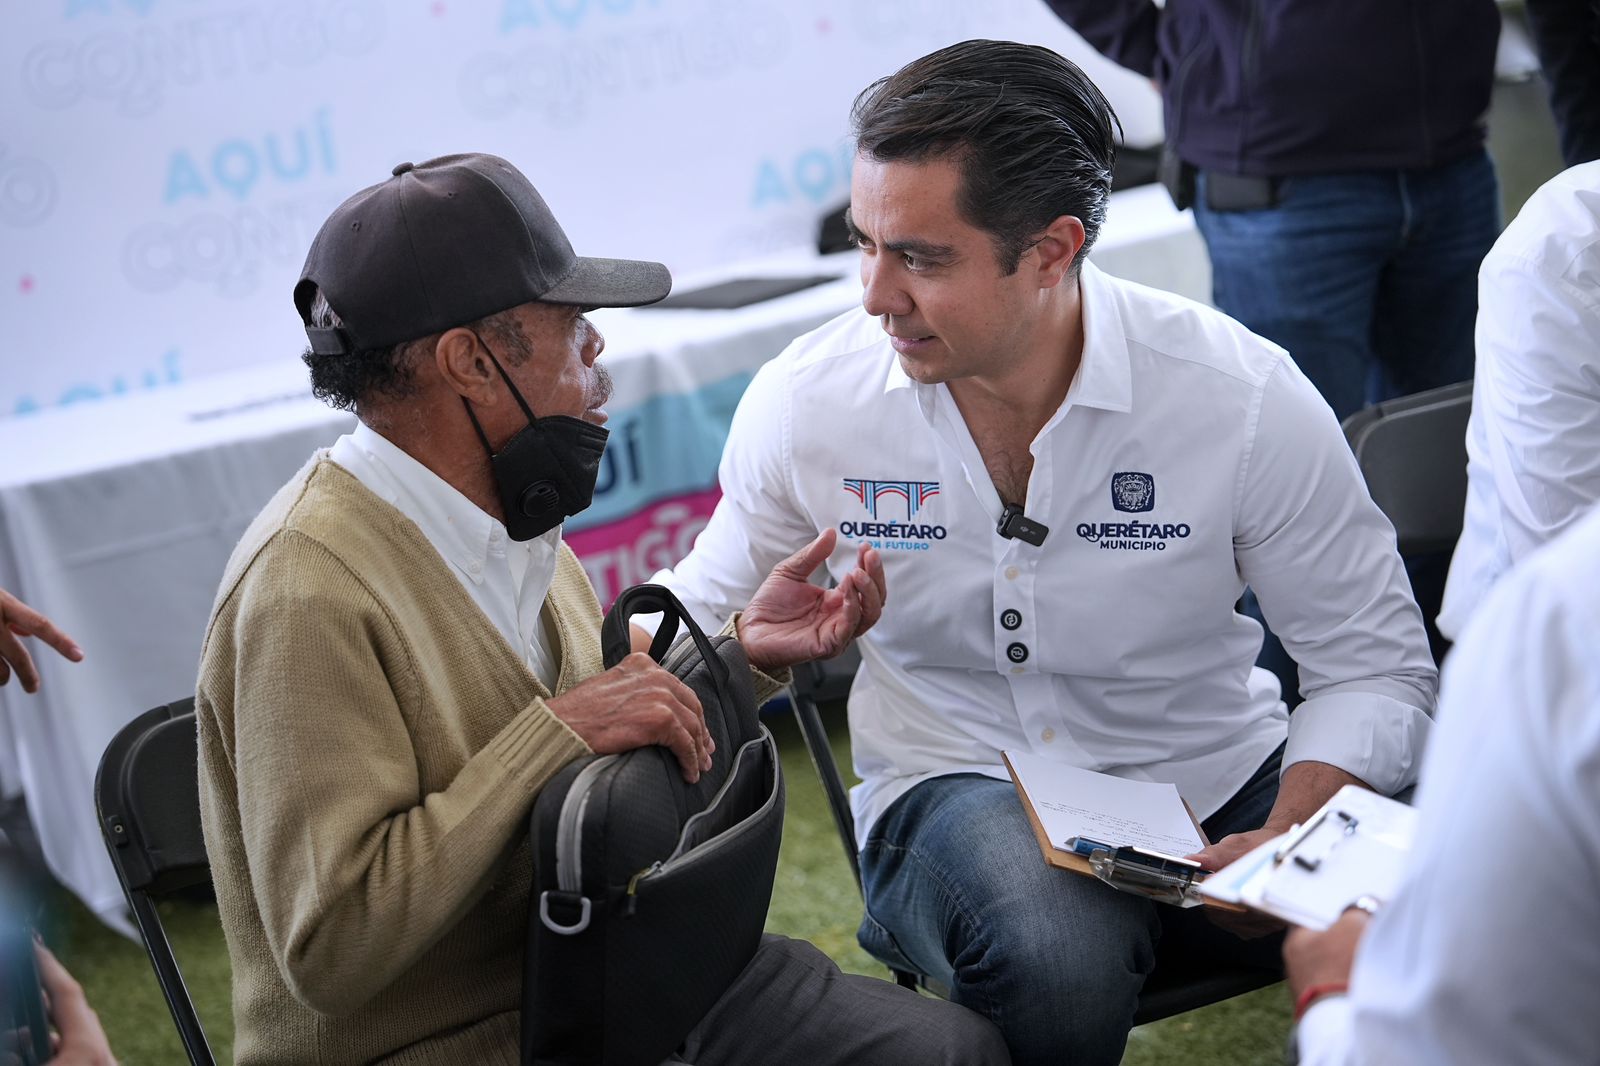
{"x":403,"y":652}
{"x":1070,"y":479}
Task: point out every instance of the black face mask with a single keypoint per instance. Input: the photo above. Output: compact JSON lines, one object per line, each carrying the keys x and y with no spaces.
{"x":547,"y":471}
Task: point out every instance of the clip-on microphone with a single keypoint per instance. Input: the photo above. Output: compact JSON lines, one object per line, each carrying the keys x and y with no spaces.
{"x":1018,"y":526}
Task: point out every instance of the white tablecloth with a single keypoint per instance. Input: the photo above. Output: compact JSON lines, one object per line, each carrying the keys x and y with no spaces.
{"x":117,"y":518}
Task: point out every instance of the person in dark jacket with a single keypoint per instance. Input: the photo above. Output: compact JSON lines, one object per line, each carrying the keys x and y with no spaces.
{"x":1334,"y":154}
{"x":1567,"y":36}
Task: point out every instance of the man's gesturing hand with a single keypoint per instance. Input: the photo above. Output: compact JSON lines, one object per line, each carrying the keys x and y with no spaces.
{"x":633,"y":705}
{"x":791,"y":621}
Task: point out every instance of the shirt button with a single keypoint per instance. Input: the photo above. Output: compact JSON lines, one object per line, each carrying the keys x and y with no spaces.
{"x":1019,"y":670}
{"x":1011,"y":573}
{"x":475,"y":566}
{"x":1010,"y":619}
{"x":1017,"y":652}
{"x":1048,"y":735}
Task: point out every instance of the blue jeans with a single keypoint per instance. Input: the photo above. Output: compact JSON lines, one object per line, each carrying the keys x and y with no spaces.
{"x":956,"y":889}
{"x":1369,"y":279}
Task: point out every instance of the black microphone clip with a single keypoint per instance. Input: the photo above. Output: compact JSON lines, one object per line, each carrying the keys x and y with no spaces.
{"x":1017,"y":526}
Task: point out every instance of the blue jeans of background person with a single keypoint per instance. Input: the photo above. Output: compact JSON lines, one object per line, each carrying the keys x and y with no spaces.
{"x":1369,"y":279}
{"x":956,"y":889}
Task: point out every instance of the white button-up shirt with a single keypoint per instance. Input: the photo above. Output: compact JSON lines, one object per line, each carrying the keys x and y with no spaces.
{"x":1188,"y":458}
{"x":1533,"y":443}
{"x":506,"y":579}
{"x":1486,"y":955}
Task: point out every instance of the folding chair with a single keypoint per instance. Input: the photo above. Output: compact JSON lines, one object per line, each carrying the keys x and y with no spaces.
{"x":1413,"y":453}
{"x":148,"y":796}
{"x":1173,"y":987}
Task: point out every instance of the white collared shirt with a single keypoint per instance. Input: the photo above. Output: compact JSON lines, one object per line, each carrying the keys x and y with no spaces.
{"x":1533,"y":442}
{"x":506,"y":579}
{"x":1189,"y":458}
{"x":1486,"y":955}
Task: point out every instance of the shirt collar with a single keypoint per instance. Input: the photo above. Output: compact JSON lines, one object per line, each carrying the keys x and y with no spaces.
{"x":459,"y":529}
{"x":1105,"y":374}
{"x":1104,"y":378}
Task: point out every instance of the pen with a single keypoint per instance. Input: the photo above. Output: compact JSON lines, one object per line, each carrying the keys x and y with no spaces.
{"x":1086,"y":847}
{"x":1296,"y":835}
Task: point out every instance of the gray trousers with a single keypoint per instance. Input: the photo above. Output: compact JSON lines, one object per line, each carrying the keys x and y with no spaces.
{"x":793,"y":1007}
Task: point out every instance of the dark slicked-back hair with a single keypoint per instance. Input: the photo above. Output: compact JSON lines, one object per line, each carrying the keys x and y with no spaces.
{"x":1032,"y":134}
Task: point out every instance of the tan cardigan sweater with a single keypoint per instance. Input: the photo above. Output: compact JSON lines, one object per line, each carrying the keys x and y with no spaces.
{"x":370,"y":747}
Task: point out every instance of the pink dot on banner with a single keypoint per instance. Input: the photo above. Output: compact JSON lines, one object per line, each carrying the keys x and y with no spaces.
{"x":824,"y":26}
{"x":26,"y":284}
{"x":438,"y":9}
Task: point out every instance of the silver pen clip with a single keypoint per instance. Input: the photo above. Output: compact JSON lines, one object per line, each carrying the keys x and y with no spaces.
{"x":1342,"y":826}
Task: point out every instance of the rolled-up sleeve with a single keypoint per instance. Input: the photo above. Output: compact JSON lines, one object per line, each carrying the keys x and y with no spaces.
{"x":1321,"y":558}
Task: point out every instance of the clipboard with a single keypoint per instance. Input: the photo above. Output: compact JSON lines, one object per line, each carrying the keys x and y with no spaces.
{"x":1127,"y":869}
{"x":1350,"y":853}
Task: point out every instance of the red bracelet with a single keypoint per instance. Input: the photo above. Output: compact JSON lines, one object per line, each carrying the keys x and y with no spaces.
{"x":1311,"y":993}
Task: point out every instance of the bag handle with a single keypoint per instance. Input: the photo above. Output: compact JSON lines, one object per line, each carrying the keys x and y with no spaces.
{"x":616,"y":641}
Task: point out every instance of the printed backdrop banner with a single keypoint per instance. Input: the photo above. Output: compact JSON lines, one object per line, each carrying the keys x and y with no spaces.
{"x":165,"y":163}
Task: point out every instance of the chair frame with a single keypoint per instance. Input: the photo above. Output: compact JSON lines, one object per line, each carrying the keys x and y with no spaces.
{"x":144,"y":874}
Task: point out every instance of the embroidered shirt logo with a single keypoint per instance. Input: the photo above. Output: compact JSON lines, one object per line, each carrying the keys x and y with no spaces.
{"x":914,"y":493}
{"x":895,"y":535}
{"x":1133,"y":491}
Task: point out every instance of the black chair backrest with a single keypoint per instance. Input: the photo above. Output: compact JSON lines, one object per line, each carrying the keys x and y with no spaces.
{"x":147,"y":793}
{"x":1175,"y":986}
{"x":1413,"y":453}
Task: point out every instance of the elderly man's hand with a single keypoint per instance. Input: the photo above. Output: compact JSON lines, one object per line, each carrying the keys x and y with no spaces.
{"x":1311,"y":958}
{"x":791,"y":621}
{"x":633,"y":705}
{"x":17,"y":619}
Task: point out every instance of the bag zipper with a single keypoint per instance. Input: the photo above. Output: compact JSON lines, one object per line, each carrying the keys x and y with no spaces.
{"x":569,"y":830}
{"x":678,"y":859}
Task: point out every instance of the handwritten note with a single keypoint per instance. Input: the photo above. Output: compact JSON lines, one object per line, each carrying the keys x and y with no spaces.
{"x":1113,"y":810}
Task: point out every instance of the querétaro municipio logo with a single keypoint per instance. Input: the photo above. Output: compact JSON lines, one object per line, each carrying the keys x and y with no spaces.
{"x":1133,"y":491}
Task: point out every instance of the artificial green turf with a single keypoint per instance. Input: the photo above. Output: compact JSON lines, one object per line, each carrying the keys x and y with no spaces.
{"x":815,"y":898}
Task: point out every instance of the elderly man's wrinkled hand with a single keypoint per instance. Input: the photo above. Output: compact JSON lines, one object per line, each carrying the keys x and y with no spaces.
{"x":633,"y":705}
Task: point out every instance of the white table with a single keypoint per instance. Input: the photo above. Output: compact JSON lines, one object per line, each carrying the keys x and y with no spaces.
{"x":117,"y":518}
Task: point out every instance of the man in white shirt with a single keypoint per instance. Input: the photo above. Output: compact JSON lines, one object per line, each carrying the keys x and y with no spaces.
{"x":1533,"y":442}
{"x":1482,"y":956}
{"x":1070,"y":479}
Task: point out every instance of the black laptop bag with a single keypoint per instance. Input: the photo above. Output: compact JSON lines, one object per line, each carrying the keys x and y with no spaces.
{"x":650,"y":893}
